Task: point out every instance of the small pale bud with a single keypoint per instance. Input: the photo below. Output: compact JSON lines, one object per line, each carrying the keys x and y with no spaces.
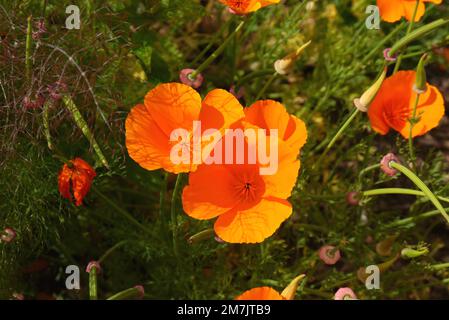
{"x":368,"y":96}
{"x":284,"y":65}
{"x":290,"y":291}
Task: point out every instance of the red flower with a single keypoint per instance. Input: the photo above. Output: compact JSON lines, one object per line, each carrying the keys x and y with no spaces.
{"x":81,"y":175}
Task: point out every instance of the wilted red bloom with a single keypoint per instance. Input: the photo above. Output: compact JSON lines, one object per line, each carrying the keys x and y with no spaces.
{"x":78,"y":174}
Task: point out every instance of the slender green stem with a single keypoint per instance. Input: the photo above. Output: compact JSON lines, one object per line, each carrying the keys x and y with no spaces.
{"x":110,"y":251}
{"x":124,"y":213}
{"x":440,"y":266}
{"x":409,"y":220}
{"x":266,"y":86}
{"x":367,"y":169}
{"x":339,"y":133}
{"x":253,"y":75}
{"x":217,"y":52}
{"x":211,"y":42}
{"x":174,"y":220}
{"x":46,"y":125}
{"x":421,"y":185}
{"x":376,"y":192}
{"x":93,"y":294}
{"x":28,"y":62}
{"x":412,"y":122}
{"x":82,"y":125}
{"x":126,"y":294}
{"x":409,"y":29}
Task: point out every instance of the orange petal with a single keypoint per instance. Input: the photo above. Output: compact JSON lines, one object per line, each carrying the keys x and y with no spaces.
{"x":270,"y":114}
{"x":64,"y":181}
{"x":391,"y":10}
{"x":255,"y":224}
{"x":209,"y":193}
{"x":260,"y":293}
{"x":409,"y":8}
{"x":220,"y":109}
{"x":281,"y":183}
{"x":173,"y":106}
{"x":430,"y":110}
{"x":147,"y":144}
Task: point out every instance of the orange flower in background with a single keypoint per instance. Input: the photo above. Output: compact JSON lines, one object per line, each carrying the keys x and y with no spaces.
{"x":268,"y":293}
{"x":394,"y":10}
{"x":394,"y":103}
{"x":78,"y":175}
{"x":260,"y":293}
{"x":247,"y":6}
{"x":172,"y":106}
{"x":250,"y":206}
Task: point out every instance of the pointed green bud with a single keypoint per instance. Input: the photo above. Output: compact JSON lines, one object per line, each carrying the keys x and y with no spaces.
{"x":421,"y":78}
{"x":409,"y":253}
{"x":368,"y":96}
{"x":202,"y":235}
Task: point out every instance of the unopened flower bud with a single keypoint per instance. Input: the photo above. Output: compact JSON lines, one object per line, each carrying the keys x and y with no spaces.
{"x":387,"y":55}
{"x":369,"y":95}
{"x":329,"y":254}
{"x":185,"y":76}
{"x":345,"y":294}
{"x":409,"y":253}
{"x":284,"y":65}
{"x":93,"y":264}
{"x":420,"y":85}
{"x":290,"y":291}
{"x":353,"y":198}
{"x":385,"y":164}
{"x":8,"y":235}
{"x":140,"y":291}
{"x":200,"y":236}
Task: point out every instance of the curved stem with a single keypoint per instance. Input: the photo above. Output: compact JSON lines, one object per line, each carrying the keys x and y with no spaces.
{"x":409,"y":29}
{"x":422,"y":186}
{"x":217,"y":52}
{"x":376,"y":192}
{"x":412,"y":121}
{"x":110,"y":251}
{"x":413,"y":219}
{"x":126,"y":294}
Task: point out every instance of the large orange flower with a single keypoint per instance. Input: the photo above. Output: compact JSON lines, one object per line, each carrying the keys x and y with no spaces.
{"x":260,"y":293}
{"x":250,"y":206}
{"x":169,"y":107}
{"x":394,"y":10}
{"x":247,"y":6}
{"x":394,"y":103}
{"x":79,"y":175}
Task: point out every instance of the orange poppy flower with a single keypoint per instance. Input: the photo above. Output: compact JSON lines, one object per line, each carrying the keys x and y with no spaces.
{"x":79,"y":175}
{"x":260,"y":293}
{"x":394,"y":10}
{"x":250,"y":206}
{"x":169,"y":107}
{"x":247,"y":6}
{"x":394,"y":103}
{"x":270,"y":114}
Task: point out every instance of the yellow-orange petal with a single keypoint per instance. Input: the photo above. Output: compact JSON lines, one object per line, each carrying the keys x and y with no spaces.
{"x":429,"y":111}
{"x":409,"y":8}
{"x":260,"y":293}
{"x":147,"y":144}
{"x":173,"y":106}
{"x":210,"y":192}
{"x":220,"y":109}
{"x":270,"y":114}
{"x":255,"y":224}
{"x":281,"y":183}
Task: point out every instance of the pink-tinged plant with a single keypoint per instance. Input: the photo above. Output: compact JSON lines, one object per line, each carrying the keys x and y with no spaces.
{"x":329,"y":254}
{"x":185,"y":78}
{"x":345,"y":294}
{"x":385,"y":164}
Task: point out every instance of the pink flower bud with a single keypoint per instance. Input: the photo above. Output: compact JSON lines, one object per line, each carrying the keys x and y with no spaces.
{"x":352,"y":198}
{"x":387,"y":55}
{"x":8,"y":235}
{"x":329,"y":254}
{"x":385,"y":164}
{"x":18,"y":296}
{"x":92,"y":264}
{"x":141,"y":290}
{"x":185,"y":78}
{"x":345,"y":294}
